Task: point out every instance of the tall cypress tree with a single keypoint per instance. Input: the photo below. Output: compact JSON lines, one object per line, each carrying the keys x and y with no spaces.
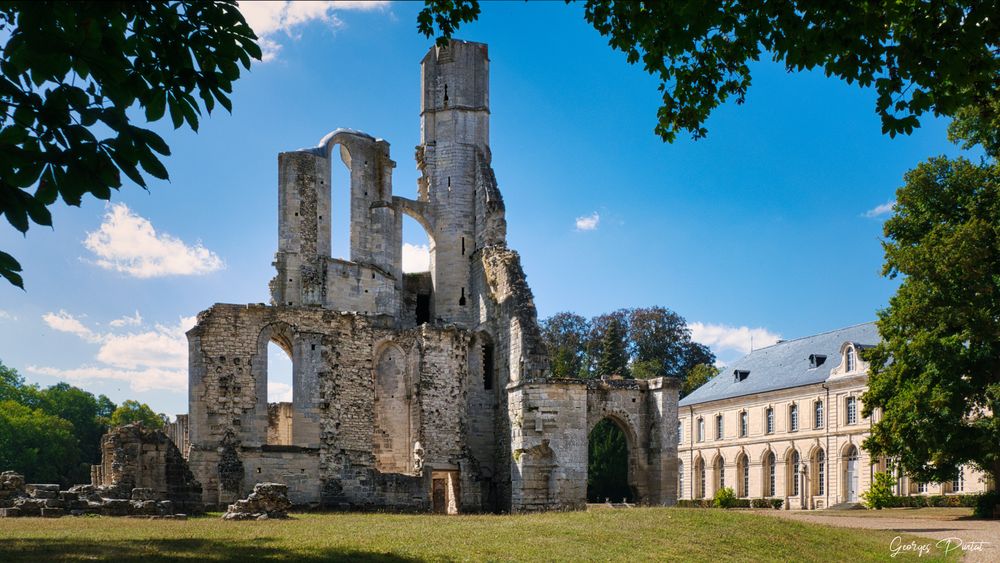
{"x":614,"y":360}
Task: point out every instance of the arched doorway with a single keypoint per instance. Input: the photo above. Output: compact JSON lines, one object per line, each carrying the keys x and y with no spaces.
{"x":851,"y":474}
{"x":608,"y":474}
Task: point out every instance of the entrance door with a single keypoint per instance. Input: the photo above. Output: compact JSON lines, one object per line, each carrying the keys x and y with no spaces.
{"x":852,"y":476}
{"x":439,"y":496}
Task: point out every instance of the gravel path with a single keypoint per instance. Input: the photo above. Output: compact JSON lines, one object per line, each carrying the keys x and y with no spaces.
{"x":981,"y":537}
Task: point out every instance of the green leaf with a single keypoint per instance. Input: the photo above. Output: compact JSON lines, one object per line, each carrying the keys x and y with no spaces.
{"x":156,"y":106}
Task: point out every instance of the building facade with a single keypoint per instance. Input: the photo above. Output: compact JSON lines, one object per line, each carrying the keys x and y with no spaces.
{"x":785,"y":422}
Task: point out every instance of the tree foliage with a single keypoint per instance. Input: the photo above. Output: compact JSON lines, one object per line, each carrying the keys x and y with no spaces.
{"x":936,"y":375}
{"x":614,"y":360}
{"x":133,"y":411}
{"x":71,"y":71}
{"x":698,"y":376}
{"x":87,"y":416}
{"x":566,"y":336}
{"x":920,"y":57}
{"x":649,"y":342}
{"x":38,"y":445}
{"x":607,"y":464}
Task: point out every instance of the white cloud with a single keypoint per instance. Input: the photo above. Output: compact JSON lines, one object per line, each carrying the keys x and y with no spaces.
{"x":588,"y":222}
{"x":138,"y":380}
{"x":880,"y":210}
{"x":65,"y":322}
{"x":724,"y":337}
{"x":279,"y":392}
{"x":151,"y":359}
{"x":135,"y":320}
{"x":416,"y":258}
{"x":128,"y":243}
{"x":4,"y":315}
{"x":271,"y":19}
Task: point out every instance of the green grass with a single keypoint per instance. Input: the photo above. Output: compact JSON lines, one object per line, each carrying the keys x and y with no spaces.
{"x":645,"y":534}
{"x":926,"y":513}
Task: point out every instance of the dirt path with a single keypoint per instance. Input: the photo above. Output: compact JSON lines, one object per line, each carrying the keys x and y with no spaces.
{"x":980,"y":537}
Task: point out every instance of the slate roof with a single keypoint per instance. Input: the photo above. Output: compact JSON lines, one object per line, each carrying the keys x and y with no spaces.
{"x":783,"y":365}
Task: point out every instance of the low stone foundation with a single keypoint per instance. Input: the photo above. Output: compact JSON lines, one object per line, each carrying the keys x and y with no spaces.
{"x":45,"y":500}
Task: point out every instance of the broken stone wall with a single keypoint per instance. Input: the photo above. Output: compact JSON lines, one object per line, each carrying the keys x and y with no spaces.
{"x":134,"y":457}
{"x":338,"y":363}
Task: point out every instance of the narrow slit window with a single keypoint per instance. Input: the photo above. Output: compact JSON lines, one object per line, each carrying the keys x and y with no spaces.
{"x":461,"y":300}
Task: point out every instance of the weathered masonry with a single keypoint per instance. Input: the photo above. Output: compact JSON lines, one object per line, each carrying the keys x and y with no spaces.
{"x":426,"y":391}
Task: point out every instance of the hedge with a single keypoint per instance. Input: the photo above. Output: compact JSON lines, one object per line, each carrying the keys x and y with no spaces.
{"x":737,"y":503}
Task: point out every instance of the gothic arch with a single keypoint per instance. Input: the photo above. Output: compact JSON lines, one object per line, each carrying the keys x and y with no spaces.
{"x":392,"y":428}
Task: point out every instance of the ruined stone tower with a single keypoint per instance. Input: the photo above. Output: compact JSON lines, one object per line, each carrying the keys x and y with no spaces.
{"x":424,"y":391}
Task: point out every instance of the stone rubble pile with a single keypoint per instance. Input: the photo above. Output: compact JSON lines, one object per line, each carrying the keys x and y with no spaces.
{"x":46,"y":500}
{"x":268,"y":500}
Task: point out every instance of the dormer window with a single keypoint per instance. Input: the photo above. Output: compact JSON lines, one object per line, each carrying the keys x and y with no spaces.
{"x":851,"y":360}
{"x":816,"y":360}
{"x":740,"y":374}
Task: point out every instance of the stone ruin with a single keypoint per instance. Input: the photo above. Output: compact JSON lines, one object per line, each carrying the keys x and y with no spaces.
{"x":410,"y":391}
{"x":142,"y":473}
{"x":268,"y":500}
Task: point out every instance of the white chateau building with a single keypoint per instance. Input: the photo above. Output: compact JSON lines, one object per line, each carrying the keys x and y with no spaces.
{"x":785,"y":422}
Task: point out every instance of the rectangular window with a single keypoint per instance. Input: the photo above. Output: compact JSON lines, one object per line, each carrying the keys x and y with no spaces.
{"x":958,"y":483}
{"x":743,"y":424}
{"x":680,"y":432}
{"x":852,"y":410}
{"x":921,"y":487}
{"x":819,"y":414}
{"x":769,"y":421}
{"x":701,"y":429}
{"x":718,"y":427}
{"x":793,"y":418}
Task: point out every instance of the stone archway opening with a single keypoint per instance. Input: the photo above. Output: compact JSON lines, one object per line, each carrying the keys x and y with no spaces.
{"x":609,"y":475}
{"x":280,"y":408}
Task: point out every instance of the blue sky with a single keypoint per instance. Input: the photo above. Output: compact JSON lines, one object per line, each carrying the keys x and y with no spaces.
{"x":761,"y":228}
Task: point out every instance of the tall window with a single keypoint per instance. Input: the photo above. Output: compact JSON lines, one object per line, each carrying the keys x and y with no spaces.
{"x":852,"y":410}
{"x":701,"y":479}
{"x":745,"y":477}
{"x":793,"y":470}
{"x":701,"y":429}
{"x":769,"y":420}
{"x":680,"y":479}
{"x":718,"y":427}
{"x":921,"y":487}
{"x":793,"y":417}
{"x":770,"y":469}
{"x":720,"y":468}
{"x":958,"y":483}
{"x":680,"y":432}
{"x":818,"y":414}
{"x":820,"y":473}
{"x":850,"y":359}
{"x":744,"y":423}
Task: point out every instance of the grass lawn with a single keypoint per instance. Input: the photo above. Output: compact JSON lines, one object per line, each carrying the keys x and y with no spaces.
{"x":926,"y":513}
{"x":650,"y":534}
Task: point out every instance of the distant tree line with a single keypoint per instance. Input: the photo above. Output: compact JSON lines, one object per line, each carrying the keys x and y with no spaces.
{"x":639,"y":343}
{"x":53,"y":435}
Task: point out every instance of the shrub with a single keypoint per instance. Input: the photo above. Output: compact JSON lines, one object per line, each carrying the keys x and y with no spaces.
{"x":696,"y":503}
{"x":879,"y":495}
{"x":724,"y":498}
{"x":986,"y":504}
{"x":760,"y":503}
{"x":776,"y":503}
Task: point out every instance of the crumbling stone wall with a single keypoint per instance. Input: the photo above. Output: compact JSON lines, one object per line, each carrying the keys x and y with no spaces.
{"x":133,"y":457}
{"x":405,"y":387}
{"x":552,"y":421}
